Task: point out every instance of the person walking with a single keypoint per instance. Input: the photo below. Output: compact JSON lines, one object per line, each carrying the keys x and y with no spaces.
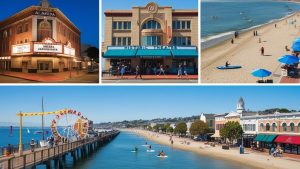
{"x":138,"y":72}
{"x":232,"y":41}
{"x":180,"y":71}
{"x":123,"y":70}
{"x":161,"y":70}
{"x":185,"y":71}
{"x":262,"y":51}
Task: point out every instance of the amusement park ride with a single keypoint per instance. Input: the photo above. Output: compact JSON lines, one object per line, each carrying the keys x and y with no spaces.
{"x":75,"y":127}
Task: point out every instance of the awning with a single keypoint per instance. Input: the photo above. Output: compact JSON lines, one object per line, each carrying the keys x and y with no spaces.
{"x":184,"y":53}
{"x":269,"y":138}
{"x":260,"y":137}
{"x":288,"y":139}
{"x":120,"y":53}
{"x":153,"y":53}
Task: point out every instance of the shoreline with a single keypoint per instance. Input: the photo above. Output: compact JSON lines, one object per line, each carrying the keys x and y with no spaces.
{"x":226,"y":36}
{"x":246,"y":52}
{"x":253,"y":160}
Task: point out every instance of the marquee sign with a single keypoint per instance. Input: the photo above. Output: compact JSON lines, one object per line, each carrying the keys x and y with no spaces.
{"x":21,"y":48}
{"x":68,"y":50}
{"x":47,"y":46}
{"x":44,"y":13}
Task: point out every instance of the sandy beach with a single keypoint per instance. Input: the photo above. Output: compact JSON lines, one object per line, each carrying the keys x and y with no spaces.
{"x":246,"y":52}
{"x":251,"y":159}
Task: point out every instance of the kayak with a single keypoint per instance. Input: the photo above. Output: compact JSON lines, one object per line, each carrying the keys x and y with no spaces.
{"x":229,"y":67}
{"x":150,"y":151}
{"x":162,"y":156}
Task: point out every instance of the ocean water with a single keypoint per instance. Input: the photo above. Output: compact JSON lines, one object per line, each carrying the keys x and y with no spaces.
{"x":221,"y":18}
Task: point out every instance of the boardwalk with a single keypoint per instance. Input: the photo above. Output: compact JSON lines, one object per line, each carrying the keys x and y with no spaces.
{"x":78,"y":149}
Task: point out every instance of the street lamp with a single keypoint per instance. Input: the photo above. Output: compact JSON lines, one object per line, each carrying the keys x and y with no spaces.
{"x":21,"y":139}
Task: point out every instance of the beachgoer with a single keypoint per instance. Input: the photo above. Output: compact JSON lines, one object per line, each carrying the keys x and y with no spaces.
{"x":262,"y":51}
{"x":135,"y":148}
{"x":227,"y":64}
{"x":232,"y":41}
{"x":275,"y":25}
{"x":138,"y":72}
{"x":180,"y":71}
{"x":150,"y":147}
{"x":161,"y":153}
{"x":256,"y":33}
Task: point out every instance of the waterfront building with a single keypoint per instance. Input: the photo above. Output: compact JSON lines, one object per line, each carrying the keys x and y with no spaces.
{"x":39,"y":39}
{"x":219,"y":124}
{"x":209,"y":119}
{"x":151,"y":36}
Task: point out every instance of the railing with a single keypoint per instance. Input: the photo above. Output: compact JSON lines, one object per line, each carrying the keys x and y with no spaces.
{"x":42,"y":154}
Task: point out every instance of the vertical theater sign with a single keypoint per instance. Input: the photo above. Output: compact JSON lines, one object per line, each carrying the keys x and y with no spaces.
{"x":39,"y":39}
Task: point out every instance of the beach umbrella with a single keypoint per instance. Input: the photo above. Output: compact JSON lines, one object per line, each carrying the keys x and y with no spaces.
{"x":296,"y":46}
{"x":261,"y":73}
{"x":289,"y":59}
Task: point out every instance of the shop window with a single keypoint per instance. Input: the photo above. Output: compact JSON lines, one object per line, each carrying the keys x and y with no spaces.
{"x":284,"y":127}
{"x":119,"y":42}
{"x":114,"y":25}
{"x":262,"y":126}
{"x":274,"y":127}
{"x":184,"y":41}
{"x":189,"y":42}
{"x":292,"y":127}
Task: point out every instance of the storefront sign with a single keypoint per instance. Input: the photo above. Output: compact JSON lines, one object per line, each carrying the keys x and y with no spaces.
{"x":44,"y":13}
{"x":47,"y":48}
{"x":19,"y":49}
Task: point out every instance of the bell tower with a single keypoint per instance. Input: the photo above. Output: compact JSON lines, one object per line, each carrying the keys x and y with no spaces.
{"x":240,"y":108}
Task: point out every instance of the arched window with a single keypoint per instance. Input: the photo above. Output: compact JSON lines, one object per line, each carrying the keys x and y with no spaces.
{"x":268,"y":127}
{"x":274,"y":127}
{"x":44,"y":30}
{"x":262,"y":126}
{"x":284,"y":127}
{"x":292,"y":126}
{"x":151,"y":24}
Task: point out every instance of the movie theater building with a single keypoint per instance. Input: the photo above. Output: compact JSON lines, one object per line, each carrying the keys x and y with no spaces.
{"x":39,"y":39}
{"x":150,"y":36}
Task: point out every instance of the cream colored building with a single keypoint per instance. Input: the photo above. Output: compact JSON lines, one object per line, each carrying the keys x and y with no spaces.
{"x":151,"y":36}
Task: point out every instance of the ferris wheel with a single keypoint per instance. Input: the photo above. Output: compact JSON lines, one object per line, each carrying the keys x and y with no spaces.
{"x":69,"y":124}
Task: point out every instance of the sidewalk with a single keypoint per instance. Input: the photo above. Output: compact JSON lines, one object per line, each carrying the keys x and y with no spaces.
{"x":151,"y":77}
{"x":45,"y":77}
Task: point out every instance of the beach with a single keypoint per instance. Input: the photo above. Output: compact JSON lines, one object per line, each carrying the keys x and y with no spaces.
{"x":245,"y":52}
{"x":254,"y":160}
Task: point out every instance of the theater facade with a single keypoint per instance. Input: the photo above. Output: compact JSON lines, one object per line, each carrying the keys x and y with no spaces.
{"x":39,"y":39}
{"x":151,"y":36}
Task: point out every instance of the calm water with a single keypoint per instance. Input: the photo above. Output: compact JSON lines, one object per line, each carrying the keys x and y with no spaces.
{"x":220,"y":18}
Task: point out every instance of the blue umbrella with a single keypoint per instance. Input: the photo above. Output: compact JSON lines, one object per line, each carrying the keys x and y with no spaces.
{"x":296,"y":46}
{"x":297,"y":40}
{"x":289,"y":59}
{"x":261,"y":73}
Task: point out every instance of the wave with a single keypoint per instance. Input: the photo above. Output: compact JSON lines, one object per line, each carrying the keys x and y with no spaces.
{"x":213,"y":40}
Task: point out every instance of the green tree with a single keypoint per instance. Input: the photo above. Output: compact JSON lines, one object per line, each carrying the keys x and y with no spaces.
{"x":165,"y":126}
{"x":156,"y":128}
{"x":198,"y":127}
{"x":170,"y":129}
{"x":231,"y":130}
{"x":149,"y":128}
{"x":181,"y":128}
{"x":93,"y":53}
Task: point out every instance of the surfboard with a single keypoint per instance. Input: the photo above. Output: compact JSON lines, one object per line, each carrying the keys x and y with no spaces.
{"x":133,"y":151}
{"x":146,"y":145}
{"x":150,"y":151}
{"x":229,"y":67}
{"x":162,"y":156}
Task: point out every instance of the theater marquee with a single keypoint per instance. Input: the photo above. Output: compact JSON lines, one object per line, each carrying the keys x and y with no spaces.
{"x":47,"y":48}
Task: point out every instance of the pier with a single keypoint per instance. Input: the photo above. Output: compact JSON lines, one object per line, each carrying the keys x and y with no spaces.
{"x":43,"y":156}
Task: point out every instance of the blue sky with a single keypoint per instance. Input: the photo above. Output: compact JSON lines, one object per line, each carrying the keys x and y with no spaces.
{"x":128,"y":4}
{"x":103,"y":104}
{"x":83,"y":13}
